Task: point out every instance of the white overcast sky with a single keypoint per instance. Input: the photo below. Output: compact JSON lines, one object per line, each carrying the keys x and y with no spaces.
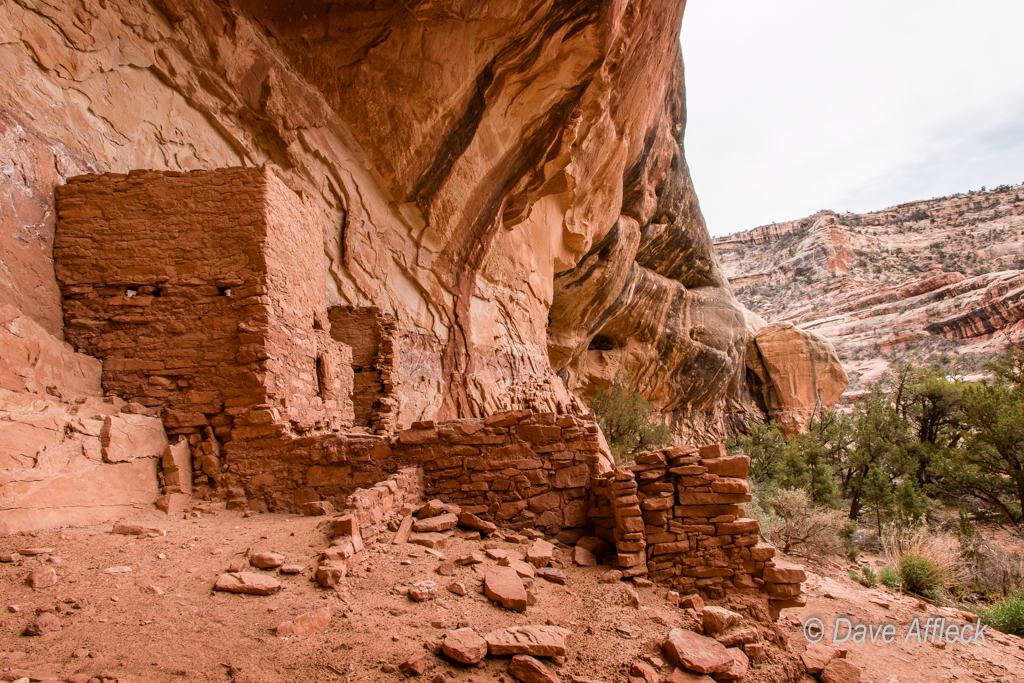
{"x":801,"y":105}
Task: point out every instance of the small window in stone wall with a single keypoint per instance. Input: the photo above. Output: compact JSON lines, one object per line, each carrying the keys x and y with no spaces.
{"x":320,"y":376}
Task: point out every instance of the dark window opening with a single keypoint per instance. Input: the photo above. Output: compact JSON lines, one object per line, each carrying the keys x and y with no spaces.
{"x":601,"y":342}
{"x":224,"y":291}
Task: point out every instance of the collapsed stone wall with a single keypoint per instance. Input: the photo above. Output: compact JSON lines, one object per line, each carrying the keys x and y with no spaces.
{"x":676,"y":516}
{"x":372,"y":335}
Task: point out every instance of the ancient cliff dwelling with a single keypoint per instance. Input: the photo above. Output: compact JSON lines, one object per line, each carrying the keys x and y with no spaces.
{"x":301,"y":308}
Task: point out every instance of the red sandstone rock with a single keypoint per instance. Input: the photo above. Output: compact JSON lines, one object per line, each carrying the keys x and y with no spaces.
{"x":464,"y":645}
{"x":840,"y":671}
{"x":733,"y":466}
{"x":436,"y":523}
{"x":266,"y":560}
{"x":503,"y":585}
{"x":43,"y":624}
{"x":816,"y":657}
{"x":247,"y":582}
{"x":540,"y":553}
{"x":473,"y":522}
{"x":540,"y":641}
{"x":717,"y":619}
{"x":583,"y":557}
{"x":415,"y":664}
{"x":529,"y":670}
{"x":695,"y":652}
{"x":41,"y":577}
{"x":784,"y":572}
{"x":738,"y":670}
{"x":306,"y":624}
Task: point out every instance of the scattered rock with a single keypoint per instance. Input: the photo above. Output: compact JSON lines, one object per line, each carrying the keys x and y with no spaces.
{"x":464,"y":645}
{"x":330,"y":575}
{"x":117,"y":570}
{"x":249,"y":583}
{"x":540,"y":554}
{"x":583,"y":557}
{"x":840,"y":671}
{"x":645,"y":672}
{"x":44,"y":623}
{"x":717,"y":619}
{"x":35,"y":551}
{"x":9,"y":557}
{"x":817,"y":657}
{"x":695,"y":652}
{"x":524,"y":569}
{"x":553,"y":575}
{"x":306,"y":624}
{"x":503,"y":585}
{"x":41,"y":577}
{"x":747,"y":635}
{"x":681,"y":676}
{"x":473,"y":522}
{"x":292,"y":569}
{"x":472,"y":558}
{"x":540,"y":641}
{"x":529,"y":670}
{"x":446,"y":568}
{"x":610,"y":576}
{"x":423,"y":591}
{"x":692,"y":602}
{"x":266,"y":560}
{"x":415,"y":664}
{"x":429,"y":540}
{"x":432,"y":508}
{"x":739,"y":667}
{"x":436,"y":523}
{"x":319,"y":508}
{"x":458,"y":588}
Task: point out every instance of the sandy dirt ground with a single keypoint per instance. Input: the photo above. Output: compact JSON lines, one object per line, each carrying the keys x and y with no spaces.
{"x":161,"y":621}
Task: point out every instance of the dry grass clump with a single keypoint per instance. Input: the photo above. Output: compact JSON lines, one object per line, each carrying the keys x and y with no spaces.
{"x":929,"y":563}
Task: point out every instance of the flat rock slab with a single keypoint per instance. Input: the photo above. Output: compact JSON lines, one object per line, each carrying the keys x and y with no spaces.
{"x":431,"y":508}
{"x":503,"y":585}
{"x":436,"y":523}
{"x":306,"y":624}
{"x":266,"y":560}
{"x":249,"y":583}
{"x":784,"y":572}
{"x":470,"y":521}
{"x":138,"y":530}
{"x":692,"y":651}
{"x":540,"y":554}
{"x":464,"y":645}
{"x":429,"y":540}
{"x":524,"y":569}
{"x":583,"y":557}
{"x":740,"y":665}
{"x":539,"y":641}
{"x":35,"y":551}
{"x":553,"y":575}
{"x":529,"y":670}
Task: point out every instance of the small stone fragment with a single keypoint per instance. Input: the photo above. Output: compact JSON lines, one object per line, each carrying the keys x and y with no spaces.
{"x":306,"y":624}
{"x":266,"y":560}
{"x":717,"y":619}
{"x":553,"y":575}
{"x":739,"y":667}
{"x":431,"y":508}
{"x":816,"y":657}
{"x":44,"y":623}
{"x":319,"y":508}
{"x":446,"y":568}
{"x":292,"y":569}
{"x":415,"y":664}
{"x":330,"y":575}
{"x":458,"y":588}
{"x":472,"y":558}
{"x":117,"y":570}
{"x":41,"y":577}
{"x":528,"y":670}
{"x":35,"y":551}
{"x":840,"y":671}
{"x":693,"y":601}
{"x":137,"y":530}
{"x":464,"y":645}
{"x":423,"y":591}
{"x":473,"y":522}
{"x":583,"y":557}
{"x":610,"y":576}
{"x":249,"y":583}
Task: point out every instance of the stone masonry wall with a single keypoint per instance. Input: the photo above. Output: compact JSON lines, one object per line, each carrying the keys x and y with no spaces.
{"x":518,"y":469}
{"x":676,"y":517}
{"x":372,"y":335}
{"x":198,"y":292}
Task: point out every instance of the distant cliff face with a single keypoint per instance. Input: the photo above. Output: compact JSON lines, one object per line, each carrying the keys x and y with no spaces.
{"x":506,"y":178}
{"x":933,"y":280}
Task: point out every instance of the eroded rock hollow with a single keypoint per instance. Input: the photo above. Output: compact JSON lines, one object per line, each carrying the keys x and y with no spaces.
{"x":503,"y":183}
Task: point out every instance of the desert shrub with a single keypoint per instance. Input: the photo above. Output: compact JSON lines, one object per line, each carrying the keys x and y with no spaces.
{"x":865,"y":577}
{"x":920,"y":575}
{"x":627,"y":420}
{"x":928,"y":562}
{"x":1007,"y":616}
{"x":806,"y":529}
{"x":757,"y":509}
{"x":890,"y":578}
